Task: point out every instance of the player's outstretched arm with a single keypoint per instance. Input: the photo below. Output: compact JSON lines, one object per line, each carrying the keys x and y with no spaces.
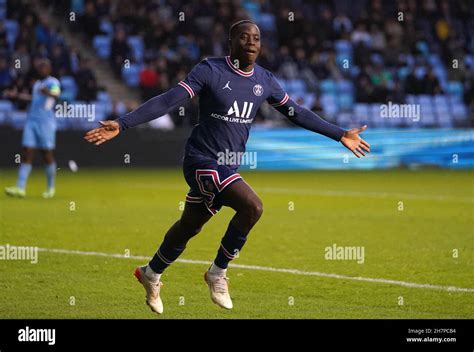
{"x":154,"y":108}
{"x":150,"y":110}
{"x":311,"y":121}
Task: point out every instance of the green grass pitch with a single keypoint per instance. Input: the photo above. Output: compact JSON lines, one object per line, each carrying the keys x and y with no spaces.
{"x":128,"y":211}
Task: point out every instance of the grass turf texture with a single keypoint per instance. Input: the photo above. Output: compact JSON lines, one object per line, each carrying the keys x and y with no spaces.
{"x":118,"y":210}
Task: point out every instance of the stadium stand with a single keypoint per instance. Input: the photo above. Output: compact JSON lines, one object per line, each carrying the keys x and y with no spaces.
{"x":343,"y":60}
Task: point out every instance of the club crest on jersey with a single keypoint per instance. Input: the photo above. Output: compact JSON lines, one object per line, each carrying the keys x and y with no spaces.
{"x":257,"y":90}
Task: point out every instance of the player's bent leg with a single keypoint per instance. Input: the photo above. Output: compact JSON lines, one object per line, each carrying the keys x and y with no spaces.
{"x":23,"y":172}
{"x":194,"y":216}
{"x":248,"y":206}
{"x":190,"y":224}
{"x":50,"y":169}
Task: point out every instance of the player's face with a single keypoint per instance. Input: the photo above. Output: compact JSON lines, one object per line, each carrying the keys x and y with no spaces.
{"x":44,"y":70}
{"x":246,"y":43}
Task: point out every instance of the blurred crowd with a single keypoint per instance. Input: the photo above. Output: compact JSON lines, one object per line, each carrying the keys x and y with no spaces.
{"x":386,"y":49}
{"x":36,"y":38}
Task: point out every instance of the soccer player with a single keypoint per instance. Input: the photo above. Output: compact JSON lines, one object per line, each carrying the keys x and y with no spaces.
{"x":231,"y":90}
{"x":39,"y":131}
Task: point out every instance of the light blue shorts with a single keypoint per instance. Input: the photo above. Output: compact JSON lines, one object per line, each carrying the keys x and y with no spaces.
{"x":39,"y":135}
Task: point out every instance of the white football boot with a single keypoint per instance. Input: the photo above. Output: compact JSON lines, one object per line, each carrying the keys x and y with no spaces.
{"x":152,"y":289}
{"x":219,"y":289}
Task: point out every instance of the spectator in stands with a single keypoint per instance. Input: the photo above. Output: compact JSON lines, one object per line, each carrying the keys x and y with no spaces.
{"x":412,"y":85}
{"x":89,"y":22}
{"x":60,"y":61}
{"x":430,"y":83}
{"x":119,"y":51}
{"x":149,"y":81}
{"x":86,"y":82}
{"x":7,"y":74}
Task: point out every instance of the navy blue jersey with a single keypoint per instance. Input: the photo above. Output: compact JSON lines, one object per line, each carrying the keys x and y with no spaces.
{"x":228,"y":101}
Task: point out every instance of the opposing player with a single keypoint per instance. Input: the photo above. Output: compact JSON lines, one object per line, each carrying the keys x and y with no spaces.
{"x":231,"y":90}
{"x":39,"y":132}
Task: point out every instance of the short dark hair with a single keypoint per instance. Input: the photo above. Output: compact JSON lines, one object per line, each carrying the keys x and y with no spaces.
{"x":44,"y":61}
{"x":233,"y":28}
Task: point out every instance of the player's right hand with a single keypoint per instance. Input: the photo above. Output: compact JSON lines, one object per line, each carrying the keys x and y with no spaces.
{"x":104,"y":133}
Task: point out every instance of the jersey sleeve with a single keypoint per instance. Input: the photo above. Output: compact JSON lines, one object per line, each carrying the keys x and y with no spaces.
{"x":197,"y":78}
{"x":278,"y":96}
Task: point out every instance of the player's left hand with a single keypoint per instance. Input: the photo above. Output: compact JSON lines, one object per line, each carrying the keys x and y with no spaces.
{"x":354,"y":143}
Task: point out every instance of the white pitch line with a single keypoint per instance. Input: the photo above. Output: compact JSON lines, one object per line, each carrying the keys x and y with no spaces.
{"x":270,"y":269}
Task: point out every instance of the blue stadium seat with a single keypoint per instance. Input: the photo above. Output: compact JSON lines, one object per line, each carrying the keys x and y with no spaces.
{"x":328,"y":101}
{"x":344,"y":86}
{"x":102,"y":108}
{"x":101,"y":45}
{"x":11,"y":27}
{"x":354,"y":70}
{"x":345,"y":101}
{"x":411,"y":99}
{"x":426,"y":109}
{"x":455,"y":88}
{"x":266,"y":22}
{"x":131,"y":75}
{"x":469,"y":61}
{"x":107,"y":27}
{"x":6,"y":106}
{"x":327,"y":86}
{"x":427,"y":119}
{"x":459,"y":111}
{"x":309,"y":99}
{"x":252,"y":8}
{"x":375,"y":116}
{"x":103,"y":96}
{"x":445,"y":121}
{"x":440,"y":99}
{"x":434,"y":60}
{"x":345,"y":119}
{"x":425,"y":100}
{"x":68,"y":88}
{"x":138,"y":48}
{"x":420,"y":72}
{"x":362,"y":114}
{"x":297,"y":86}
{"x":361,"y":109}
{"x":403,"y":72}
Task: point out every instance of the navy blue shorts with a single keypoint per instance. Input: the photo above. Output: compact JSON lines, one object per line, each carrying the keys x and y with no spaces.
{"x":207,"y":179}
